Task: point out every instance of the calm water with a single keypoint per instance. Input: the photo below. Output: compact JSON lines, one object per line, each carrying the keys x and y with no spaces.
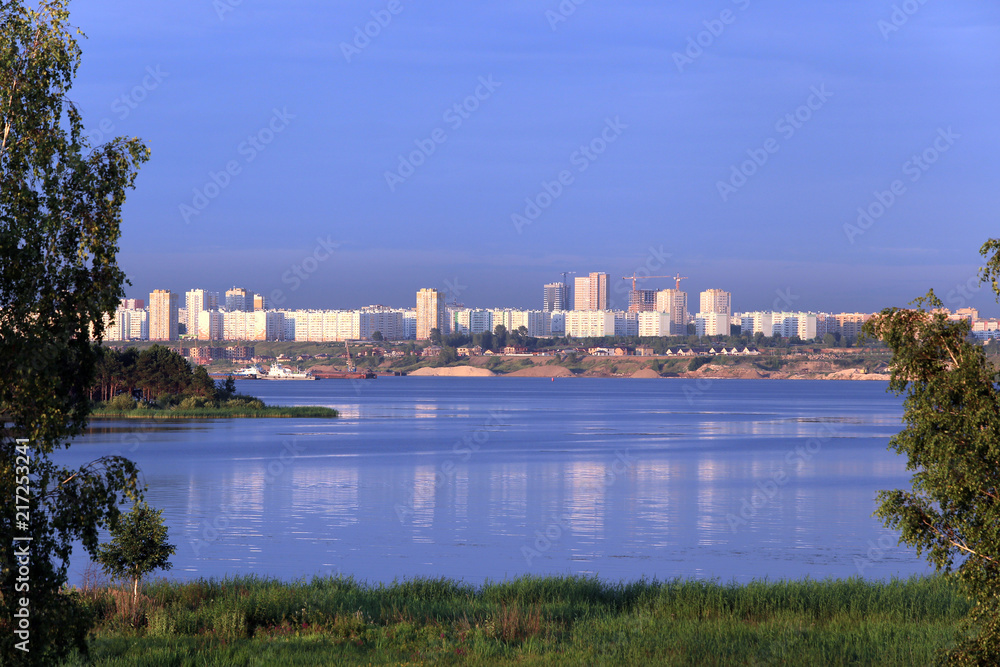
{"x":488,"y":478}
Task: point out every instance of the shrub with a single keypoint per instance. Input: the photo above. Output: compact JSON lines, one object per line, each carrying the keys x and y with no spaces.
{"x":193,"y":402}
{"x":122,"y":403}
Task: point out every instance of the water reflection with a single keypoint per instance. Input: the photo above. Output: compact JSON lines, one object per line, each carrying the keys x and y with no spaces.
{"x":620,"y":478}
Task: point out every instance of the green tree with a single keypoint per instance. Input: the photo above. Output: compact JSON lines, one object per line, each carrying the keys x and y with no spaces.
{"x":377,"y":336}
{"x":60,"y":214}
{"x":138,"y":547}
{"x":448,"y":356}
{"x":500,"y":337}
{"x":951,"y":514}
{"x":435,"y":336}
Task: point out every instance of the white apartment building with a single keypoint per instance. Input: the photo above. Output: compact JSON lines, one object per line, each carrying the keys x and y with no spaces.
{"x":387,"y":321}
{"x":410,"y":324}
{"x":654,"y":324}
{"x":757,"y":322}
{"x":674,"y":302}
{"x":798,"y":324}
{"x":711,"y":324}
{"x":253,"y":325}
{"x":590,"y":323}
{"x":626,"y":323}
{"x":537,"y":322}
{"x":211,"y":325}
{"x":716,"y":301}
{"x":502,"y":316}
{"x":197,"y":301}
{"x":473,"y":321}
{"x":557,"y":323}
{"x":126,"y":324}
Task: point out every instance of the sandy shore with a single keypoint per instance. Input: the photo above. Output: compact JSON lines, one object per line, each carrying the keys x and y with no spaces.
{"x":453,"y":372}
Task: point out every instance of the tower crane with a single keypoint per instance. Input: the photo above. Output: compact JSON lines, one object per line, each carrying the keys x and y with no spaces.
{"x":634,"y":277}
{"x":678,"y":278}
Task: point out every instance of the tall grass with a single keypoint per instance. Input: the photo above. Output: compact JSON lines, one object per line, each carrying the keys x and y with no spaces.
{"x":530,"y":620}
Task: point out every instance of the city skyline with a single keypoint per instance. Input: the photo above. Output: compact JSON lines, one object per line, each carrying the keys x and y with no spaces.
{"x":835,"y":151}
{"x":243,"y":317}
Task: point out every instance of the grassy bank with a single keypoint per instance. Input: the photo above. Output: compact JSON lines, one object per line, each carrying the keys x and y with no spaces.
{"x":312,"y":411}
{"x":527,"y":621}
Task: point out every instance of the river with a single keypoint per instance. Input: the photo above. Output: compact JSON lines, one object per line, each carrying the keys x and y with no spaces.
{"x":492,"y":478}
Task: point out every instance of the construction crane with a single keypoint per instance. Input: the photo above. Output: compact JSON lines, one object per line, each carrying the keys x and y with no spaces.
{"x":350,"y":365}
{"x":678,"y":278}
{"x":634,"y":277}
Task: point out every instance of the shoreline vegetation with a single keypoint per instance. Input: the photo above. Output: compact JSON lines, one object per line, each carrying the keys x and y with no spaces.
{"x":158,"y":383}
{"x":560,"y":620}
{"x":241,"y":412}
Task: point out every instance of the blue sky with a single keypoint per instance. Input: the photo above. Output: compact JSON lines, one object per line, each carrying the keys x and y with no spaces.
{"x":273,"y":127}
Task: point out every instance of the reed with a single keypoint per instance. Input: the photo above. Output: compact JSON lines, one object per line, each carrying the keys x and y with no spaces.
{"x":527,"y":621}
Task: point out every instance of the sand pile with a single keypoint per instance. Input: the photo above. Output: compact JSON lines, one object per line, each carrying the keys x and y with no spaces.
{"x":645,"y":373}
{"x":453,"y":372}
{"x":856,"y":374}
{"x":541,"y":372}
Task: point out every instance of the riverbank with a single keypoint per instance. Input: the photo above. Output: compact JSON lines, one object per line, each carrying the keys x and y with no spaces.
{"x":526,"y":621}
{"x":757,"y":368}
{"x":288,"y":412}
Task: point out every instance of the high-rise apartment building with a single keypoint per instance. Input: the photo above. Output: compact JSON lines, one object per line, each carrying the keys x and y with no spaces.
{"x":716,"y":301}
{"x":711,"y":324}
{"x":555,"y":297}
{"x":259,"y":302}
{"x":211,"y":325}
{"x":591,"y":292}
{"x":430,"y":312}
{"x":238,"y":298}
{"x":641,"y":300}
{"x":196,"y":301}
{"x":163,"y":306}
{"x":674,"y":301}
